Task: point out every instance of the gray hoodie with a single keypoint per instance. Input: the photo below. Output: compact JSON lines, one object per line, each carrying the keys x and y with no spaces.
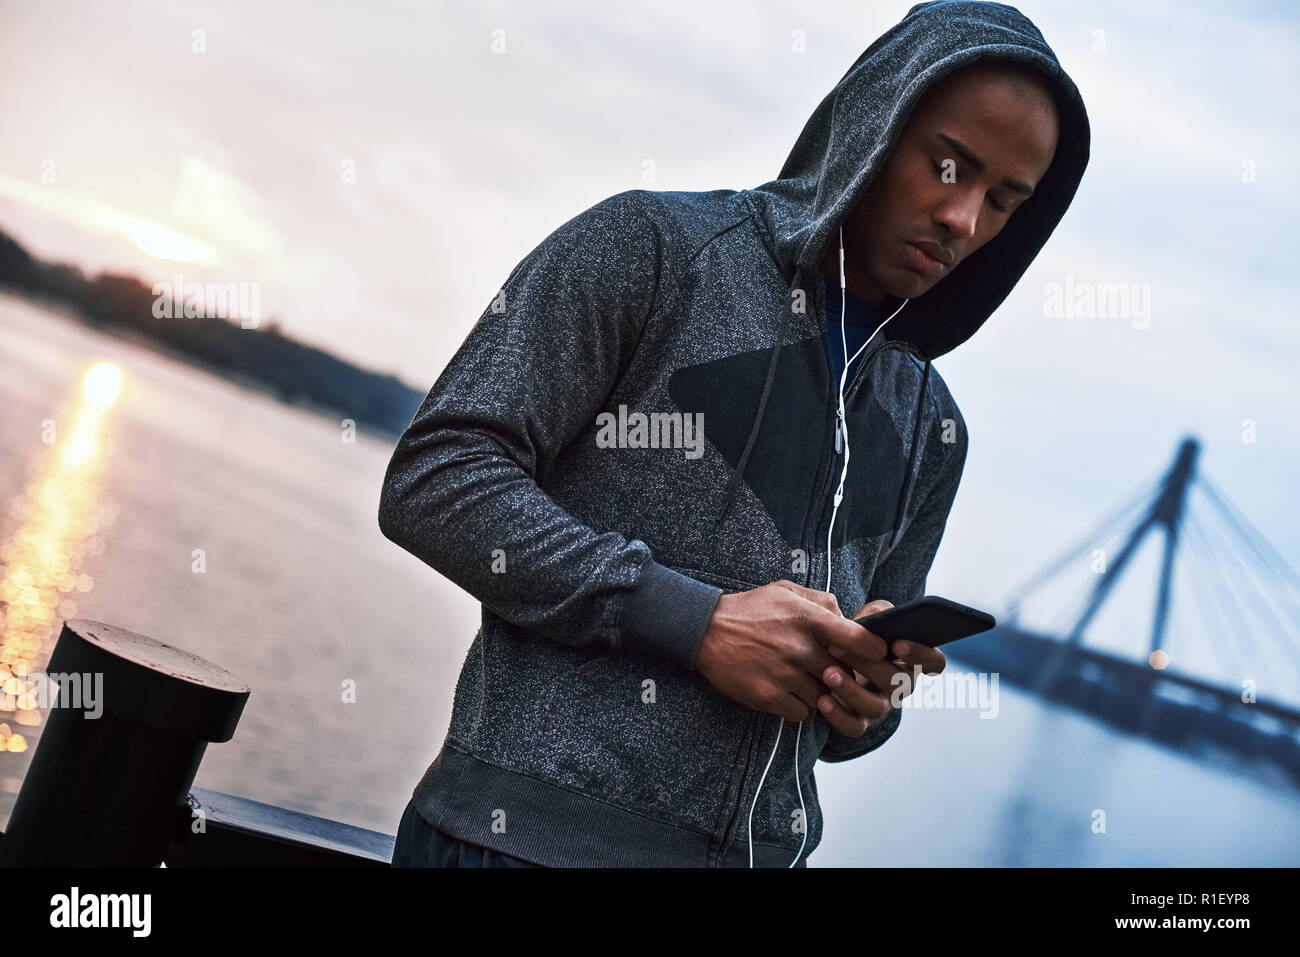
{"x":557,"y":472}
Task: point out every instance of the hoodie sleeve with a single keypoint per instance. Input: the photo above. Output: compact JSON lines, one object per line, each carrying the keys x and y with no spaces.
{"x":461,"y":490}
{"x":901,"y":578}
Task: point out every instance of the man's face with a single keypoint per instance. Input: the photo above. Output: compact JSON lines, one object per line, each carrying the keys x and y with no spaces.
{"x":972,"y":149}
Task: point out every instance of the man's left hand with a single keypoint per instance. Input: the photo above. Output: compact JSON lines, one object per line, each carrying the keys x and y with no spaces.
{"x":851,"y":710}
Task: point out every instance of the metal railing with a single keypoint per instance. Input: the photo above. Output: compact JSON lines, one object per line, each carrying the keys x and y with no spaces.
{"x":116,"y":789}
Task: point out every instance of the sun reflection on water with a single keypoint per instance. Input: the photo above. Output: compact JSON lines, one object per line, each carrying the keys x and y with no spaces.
{"x":59,"y":520}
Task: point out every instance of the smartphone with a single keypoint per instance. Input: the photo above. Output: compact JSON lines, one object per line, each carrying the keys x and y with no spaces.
{"x":930,"y":621}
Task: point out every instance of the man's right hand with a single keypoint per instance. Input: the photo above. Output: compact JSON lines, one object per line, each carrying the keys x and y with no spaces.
{"x":766,"y":649}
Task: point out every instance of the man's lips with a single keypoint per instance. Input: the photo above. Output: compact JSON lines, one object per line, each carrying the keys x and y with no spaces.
{"x":926,"y":260}
{"x":935,"y":251}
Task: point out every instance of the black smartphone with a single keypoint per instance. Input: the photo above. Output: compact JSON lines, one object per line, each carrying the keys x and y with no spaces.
{"x":930,"y":621}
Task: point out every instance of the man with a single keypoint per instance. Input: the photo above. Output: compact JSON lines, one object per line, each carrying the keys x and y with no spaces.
{"x":655,"y":607}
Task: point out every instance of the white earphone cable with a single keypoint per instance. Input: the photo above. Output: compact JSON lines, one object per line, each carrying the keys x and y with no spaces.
{"x":841,"y":427}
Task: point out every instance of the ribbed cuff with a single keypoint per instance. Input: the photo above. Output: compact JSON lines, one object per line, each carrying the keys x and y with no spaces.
{"x":666,"y":614}
{"x":840,"y":747}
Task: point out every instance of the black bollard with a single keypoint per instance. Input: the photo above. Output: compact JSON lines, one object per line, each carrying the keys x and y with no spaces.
{"x":104,"y":791}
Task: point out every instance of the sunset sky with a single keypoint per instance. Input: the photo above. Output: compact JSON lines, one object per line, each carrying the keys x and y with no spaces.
{"x":122,"y":147}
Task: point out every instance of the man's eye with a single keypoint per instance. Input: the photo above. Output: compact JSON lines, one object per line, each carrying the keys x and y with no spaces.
{"x":938,"y":168}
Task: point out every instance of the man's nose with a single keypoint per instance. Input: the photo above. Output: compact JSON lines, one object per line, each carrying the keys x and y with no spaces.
{"x":960,"y":212}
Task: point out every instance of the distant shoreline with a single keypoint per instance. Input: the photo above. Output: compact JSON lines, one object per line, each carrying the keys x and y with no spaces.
{"x":261,"y":360}
{"x":73,"y":314}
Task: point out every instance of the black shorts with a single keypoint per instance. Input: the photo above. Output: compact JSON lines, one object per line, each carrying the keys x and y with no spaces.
{"x":419,"y":844}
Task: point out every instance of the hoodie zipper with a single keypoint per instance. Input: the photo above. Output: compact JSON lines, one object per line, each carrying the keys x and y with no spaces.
{"x":825,"y":495}
{"x":867,"y":358}
{"x":863,"y":365}
{"x":747,"y":746}
{"x":848,"y":397}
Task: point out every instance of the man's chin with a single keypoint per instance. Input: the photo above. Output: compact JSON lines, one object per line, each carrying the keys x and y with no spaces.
{"x":915,"y":287}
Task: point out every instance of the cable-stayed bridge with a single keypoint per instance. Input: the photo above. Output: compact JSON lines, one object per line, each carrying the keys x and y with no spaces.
{"x":1226,"y":689}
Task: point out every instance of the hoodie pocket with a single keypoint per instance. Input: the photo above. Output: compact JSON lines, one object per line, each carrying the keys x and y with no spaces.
{"x":730,"y":585}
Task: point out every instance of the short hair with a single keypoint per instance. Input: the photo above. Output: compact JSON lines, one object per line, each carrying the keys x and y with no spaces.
{"x":1028,"y":80}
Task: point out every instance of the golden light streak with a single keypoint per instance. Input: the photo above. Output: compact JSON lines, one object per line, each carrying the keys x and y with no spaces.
{"x":59,"y":523}
{"x":163,"y":243}
{"x":90,"y":214}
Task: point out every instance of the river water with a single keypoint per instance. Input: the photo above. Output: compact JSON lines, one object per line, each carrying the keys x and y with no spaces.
{"x":243,"y":530}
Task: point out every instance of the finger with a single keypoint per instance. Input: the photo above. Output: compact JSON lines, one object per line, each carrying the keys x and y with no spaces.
{"x":793,"y":695}
{"x":823,"y":599}
{"x":790,"y":708}
{"x":931,"y":660}
{"x":854,"y":697}
{"x":839,"y":718}
{"x":871,"y":607}
{"x":853,"y":659}
{"x":847,"y":634}
{"x":778,"y":700}
{"x":814,"y":658}
{"x":806,"y":689}
{"x":885,"y":677}
{"x":849,"y":721}
{"x":856,"y":661}
{"x":900,"y":683}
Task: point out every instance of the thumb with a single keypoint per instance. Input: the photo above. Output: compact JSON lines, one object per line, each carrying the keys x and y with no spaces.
{"x":871,"y":607}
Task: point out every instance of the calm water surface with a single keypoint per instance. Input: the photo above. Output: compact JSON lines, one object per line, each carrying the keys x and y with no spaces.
{"x":301,"y":593}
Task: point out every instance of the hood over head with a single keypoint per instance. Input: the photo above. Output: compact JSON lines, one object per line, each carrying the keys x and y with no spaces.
{"x":848,"y":138}
{"x":851,"y":133}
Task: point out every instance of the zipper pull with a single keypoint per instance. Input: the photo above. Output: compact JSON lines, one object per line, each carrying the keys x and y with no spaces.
{"x":838,"y":424}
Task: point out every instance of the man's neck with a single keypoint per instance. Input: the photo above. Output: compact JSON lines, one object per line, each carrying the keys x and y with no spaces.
{"x":854,"y":284}
{"x":885,"y":304}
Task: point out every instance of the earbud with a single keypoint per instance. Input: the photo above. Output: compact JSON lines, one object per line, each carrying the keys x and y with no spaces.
{"x":841,"y":431}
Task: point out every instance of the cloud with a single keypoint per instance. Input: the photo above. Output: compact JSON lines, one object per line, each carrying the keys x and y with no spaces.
{"x":212,"y":201}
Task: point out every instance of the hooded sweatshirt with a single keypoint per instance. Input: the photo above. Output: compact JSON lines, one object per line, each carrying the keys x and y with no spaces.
{"x":643,"y":419}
